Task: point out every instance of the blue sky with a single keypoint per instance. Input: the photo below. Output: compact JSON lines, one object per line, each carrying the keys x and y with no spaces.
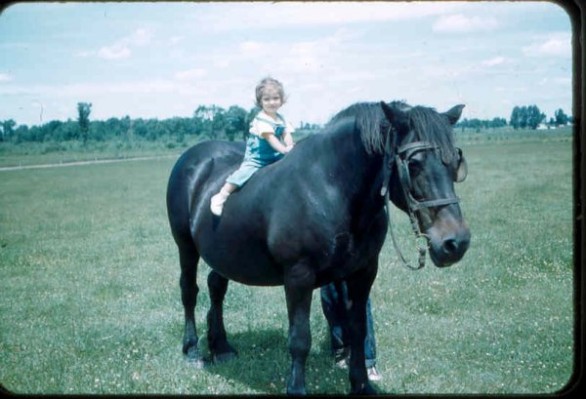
{"x":159,"y":60}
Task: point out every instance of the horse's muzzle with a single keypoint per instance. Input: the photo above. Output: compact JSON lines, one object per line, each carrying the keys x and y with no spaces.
{"x":448,"y":245}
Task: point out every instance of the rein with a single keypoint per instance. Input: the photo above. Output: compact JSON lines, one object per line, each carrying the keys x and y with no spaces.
{"x":401,"y":158}
{"x":415,"y":226}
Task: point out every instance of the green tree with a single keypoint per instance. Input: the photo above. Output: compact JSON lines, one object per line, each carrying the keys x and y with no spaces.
{"x":7,"y":129}
{"x":249,"y":118}
{"x":83,"y":118}
{"x":236,"y":122}
{"x":515,"y":120}
{"x":218,"y":124}
{"x":498,"y":122}
{"x":523,"y":117}
{"x":534,"y":117}
{"x":526,"y":117}
{"x":20,"y":134}
{"x":209,"y":120}
{"x":561,"y":119}
{"x":51,"y":131}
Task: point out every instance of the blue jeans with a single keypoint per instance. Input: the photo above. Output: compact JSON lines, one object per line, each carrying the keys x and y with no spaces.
{"x":334,"y":308}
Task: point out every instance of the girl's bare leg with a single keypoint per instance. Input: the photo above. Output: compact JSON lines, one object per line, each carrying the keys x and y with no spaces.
{"x":218,"y":200}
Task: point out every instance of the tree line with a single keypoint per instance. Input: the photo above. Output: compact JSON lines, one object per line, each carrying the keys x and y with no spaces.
{"x":212,"y":122}
{"x":522,"y":117}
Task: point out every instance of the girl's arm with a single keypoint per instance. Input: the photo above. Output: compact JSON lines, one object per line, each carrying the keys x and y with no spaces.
{"x":275,"y":143}
{"x":288,"y":139}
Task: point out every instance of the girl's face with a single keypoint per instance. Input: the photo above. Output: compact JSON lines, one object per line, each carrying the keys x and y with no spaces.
{"x":271,"y":100}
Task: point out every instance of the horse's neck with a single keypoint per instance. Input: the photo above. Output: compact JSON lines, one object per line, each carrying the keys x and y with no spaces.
{"x":357,"y":173}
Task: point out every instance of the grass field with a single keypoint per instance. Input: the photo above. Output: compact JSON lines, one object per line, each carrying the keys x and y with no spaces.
{"x":90,"y":299}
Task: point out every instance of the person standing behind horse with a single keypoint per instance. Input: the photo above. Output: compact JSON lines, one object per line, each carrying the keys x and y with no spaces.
{"x":334,"y":302}
{"x":269,"y":140}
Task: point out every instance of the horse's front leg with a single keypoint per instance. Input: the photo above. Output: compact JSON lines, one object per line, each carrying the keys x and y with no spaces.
{"x":299,"y":282}
{"x":358,"y":290}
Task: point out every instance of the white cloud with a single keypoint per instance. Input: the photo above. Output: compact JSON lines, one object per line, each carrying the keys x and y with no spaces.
{"x":191,"y":74}
{"x":114,"y":52}
{"x":287,"y":14}
{"x":252,"y":48}
{"x":122,"y":48}
{"x":140,"y":37}
{"x":136,"y":87}
{"x":175,"y":40}
{"x":81,"y":90}
{"x":344,"y":13}
{"x":4,"y":77}
{"x":323,"y":55}
{"x":221,"y":63}
{"x":556,"y":46}
{"x":459,"y":23}
{"x":494,"y":61}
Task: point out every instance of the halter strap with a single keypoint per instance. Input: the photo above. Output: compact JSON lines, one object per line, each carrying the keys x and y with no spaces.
{"x":405,"y":152}
{"x":410,"y":148}
{"x":417,"y":205}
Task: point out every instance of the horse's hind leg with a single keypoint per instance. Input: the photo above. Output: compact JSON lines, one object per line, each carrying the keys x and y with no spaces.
{"x":217,"y":341}
{"x":188,"y":258}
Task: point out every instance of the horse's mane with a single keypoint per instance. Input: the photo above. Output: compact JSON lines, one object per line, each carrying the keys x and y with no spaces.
{"x":426,"y":123}
{"x":370,"y":120}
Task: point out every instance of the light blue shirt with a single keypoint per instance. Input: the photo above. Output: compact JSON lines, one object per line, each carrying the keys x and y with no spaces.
{"x":258,"y":150}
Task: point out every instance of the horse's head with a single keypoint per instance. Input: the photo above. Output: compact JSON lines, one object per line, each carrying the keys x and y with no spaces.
{"x":424,"y":166}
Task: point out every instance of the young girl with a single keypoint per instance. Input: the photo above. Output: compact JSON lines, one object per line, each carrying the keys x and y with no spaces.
{"x":270,"y":139}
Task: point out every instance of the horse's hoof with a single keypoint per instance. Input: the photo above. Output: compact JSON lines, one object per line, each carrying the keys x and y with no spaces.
{"x":369,"y":390}
{"x":194,"y":358}
{"x":296,"y":392}
{"x":365,"y":389}
{"x":224,"y":357}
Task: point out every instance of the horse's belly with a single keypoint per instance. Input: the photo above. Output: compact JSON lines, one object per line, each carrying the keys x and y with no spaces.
{"x":247,"y":265}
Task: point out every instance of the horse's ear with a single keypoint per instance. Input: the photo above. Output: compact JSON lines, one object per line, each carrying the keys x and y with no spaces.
{"x":397,"y":117}
{"x":454,"y":113}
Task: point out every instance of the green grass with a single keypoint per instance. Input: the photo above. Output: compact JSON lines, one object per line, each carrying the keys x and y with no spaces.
{"x":50,"y":152}
{"x":33,"y":153}
{"x":90,"y":299}
{"x":501,"y":320}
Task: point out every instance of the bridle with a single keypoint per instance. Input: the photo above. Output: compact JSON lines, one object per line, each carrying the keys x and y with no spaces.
{"x":401,"y":159}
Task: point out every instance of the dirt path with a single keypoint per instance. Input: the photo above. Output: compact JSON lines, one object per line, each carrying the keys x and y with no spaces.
{"x":78,"y":163}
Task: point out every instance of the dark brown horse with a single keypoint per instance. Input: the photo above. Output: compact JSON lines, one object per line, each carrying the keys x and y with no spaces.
{"x":315,"y":217}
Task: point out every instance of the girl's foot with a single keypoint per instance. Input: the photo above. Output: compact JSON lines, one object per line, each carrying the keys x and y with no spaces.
{"x":217,"y":203}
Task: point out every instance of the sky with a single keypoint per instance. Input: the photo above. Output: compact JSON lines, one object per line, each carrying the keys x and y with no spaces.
{"x":161,"y":60}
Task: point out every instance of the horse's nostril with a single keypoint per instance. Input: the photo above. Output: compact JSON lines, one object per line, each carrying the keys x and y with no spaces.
{"x":451,"y":246}
{"x":457,"y":245}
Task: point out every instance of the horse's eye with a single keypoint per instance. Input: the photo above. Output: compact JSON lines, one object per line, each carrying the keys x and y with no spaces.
{"x":415,"y":166}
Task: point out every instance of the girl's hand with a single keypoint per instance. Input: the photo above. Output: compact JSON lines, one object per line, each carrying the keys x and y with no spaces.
{"x":276,"y":143}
